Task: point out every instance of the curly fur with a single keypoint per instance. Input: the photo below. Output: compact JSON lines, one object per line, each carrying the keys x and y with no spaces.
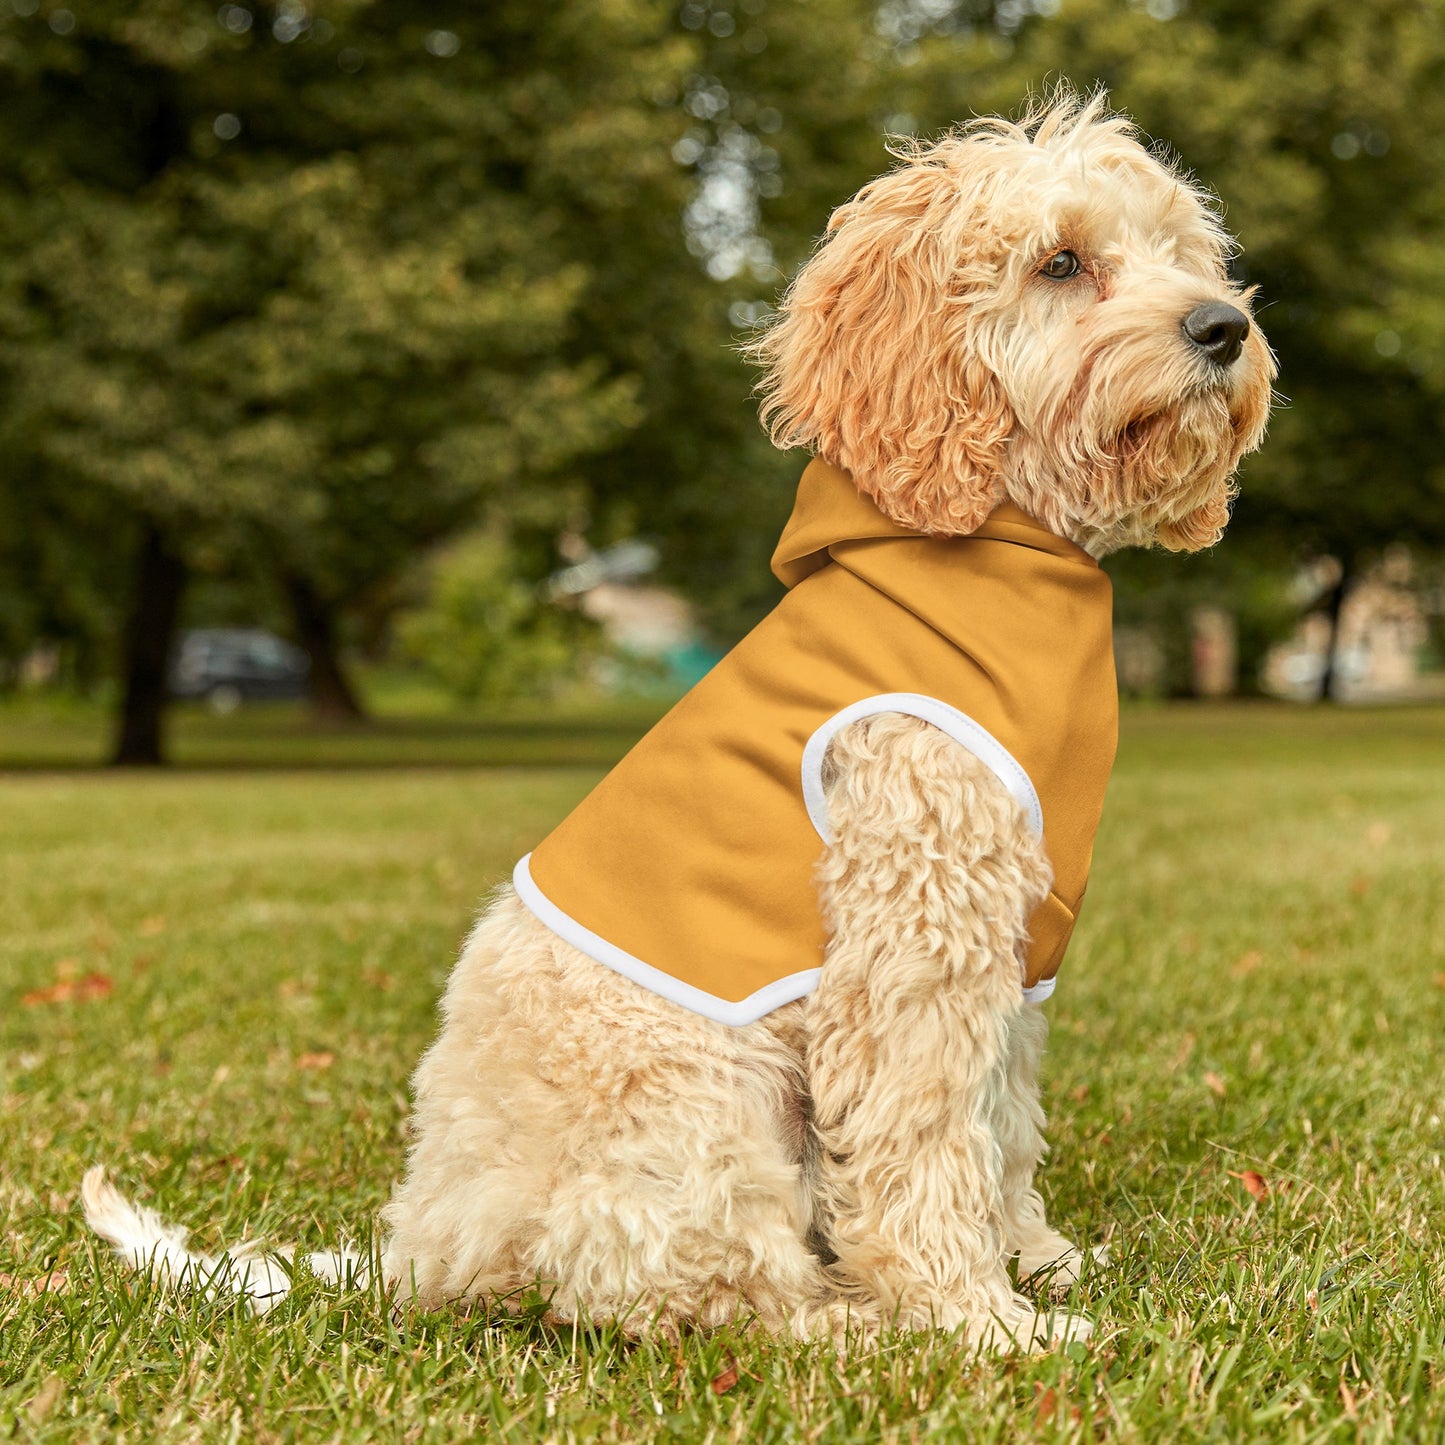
{"x":646,"y":1164}
{"x":866,"y":1156}
{"x":921,"y":349}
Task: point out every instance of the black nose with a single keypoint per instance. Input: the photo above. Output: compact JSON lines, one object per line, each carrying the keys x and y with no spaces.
{"x":1218,"y":331}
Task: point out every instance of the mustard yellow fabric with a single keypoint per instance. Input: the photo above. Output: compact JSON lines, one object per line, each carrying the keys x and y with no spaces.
{"x":690,"y":866}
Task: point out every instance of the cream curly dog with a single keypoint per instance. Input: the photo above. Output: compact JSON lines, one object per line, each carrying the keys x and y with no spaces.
{"x":1021,"y":341}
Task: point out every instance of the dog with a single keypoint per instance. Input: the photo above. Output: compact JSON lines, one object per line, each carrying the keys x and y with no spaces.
{"x":700,"y":1064}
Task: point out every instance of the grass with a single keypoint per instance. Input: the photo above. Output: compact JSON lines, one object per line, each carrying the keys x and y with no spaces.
{"x":409,"y":729}
{"x":230,"y":973}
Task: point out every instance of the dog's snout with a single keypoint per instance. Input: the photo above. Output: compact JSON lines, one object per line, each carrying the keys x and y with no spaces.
{"x":1218,"y":330}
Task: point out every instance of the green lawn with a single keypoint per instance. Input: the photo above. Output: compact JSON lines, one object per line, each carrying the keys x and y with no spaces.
{"x":217,"y":980}
{"x":408,"y":730}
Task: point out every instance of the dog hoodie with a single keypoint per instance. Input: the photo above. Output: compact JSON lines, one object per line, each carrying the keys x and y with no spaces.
{"x":690,"y":867}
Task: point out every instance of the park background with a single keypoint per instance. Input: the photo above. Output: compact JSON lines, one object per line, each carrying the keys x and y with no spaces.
{"x":406,"y":335}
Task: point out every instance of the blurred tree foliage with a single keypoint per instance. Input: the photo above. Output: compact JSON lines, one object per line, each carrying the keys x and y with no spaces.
{"x":317,"y":289}
{"x":482,"y":631}
{"x":305,"y":289}
{"x":1319,"y":122}
{"x":783,"y":113}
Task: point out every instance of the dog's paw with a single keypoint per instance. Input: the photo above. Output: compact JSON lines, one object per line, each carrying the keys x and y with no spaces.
{"x":1058,"y":1328}
{"x":1022,"y":1326}
{"x":1056,"y":1265}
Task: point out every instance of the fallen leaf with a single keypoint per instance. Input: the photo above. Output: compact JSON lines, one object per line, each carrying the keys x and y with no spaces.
{"x":1080,"y":1094}
{"x":1214,"y":1083}
{"x":724,"y":1382}
{"x":1440,"y":980}
{"x":56,"y":993}
{"x":1254,"y":1183}
{"x":321,"y":1059}
{"x":92,"y":986}
{"x":1046,"y":1407}
{"x":377,"y":978}
{"x":1246,"y":963}
{"x":1378,"y":834}
{"x":1360,"y":885}
{"x":56,"y":1282}
{"x":152,"y":927}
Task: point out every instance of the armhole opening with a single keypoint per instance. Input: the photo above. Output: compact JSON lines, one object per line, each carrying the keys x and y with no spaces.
{"x":947,"y":719}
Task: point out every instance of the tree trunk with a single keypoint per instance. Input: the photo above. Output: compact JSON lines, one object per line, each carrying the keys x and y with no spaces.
{"x":1329,"y":676}
{"x":150,"y":631}
{"x":333,"y":699}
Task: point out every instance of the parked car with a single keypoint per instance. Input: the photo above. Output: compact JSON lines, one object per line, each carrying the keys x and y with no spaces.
{"x":230,"y":665}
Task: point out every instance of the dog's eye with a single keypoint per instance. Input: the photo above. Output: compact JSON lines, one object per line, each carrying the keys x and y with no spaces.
{"x":1060,"y":266}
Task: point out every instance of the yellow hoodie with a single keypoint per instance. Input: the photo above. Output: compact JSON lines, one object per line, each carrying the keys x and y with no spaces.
{"x":690,"y":866}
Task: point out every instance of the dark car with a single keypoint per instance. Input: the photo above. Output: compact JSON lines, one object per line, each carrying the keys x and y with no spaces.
{"x":231,"y":665}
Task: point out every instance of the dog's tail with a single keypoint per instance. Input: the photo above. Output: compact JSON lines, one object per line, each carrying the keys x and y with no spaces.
{"x":147,"y":1243}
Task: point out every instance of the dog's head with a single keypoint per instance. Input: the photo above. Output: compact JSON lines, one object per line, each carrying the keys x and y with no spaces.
{"x":1036,"y":310}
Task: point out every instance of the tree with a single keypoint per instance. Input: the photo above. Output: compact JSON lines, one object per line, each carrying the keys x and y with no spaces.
{"x":766,"y":126}
{"x":1318,"y":123}
{"x":307,"y":288}
{"x":310,"y":290}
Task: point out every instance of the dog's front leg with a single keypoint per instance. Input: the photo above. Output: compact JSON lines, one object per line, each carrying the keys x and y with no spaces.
{"x":927,"y":888}
{"x":1042,"y":1251}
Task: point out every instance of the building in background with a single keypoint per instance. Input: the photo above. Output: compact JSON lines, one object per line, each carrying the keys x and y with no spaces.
{"x":1382,"y":651}
{"x":653,"y":632}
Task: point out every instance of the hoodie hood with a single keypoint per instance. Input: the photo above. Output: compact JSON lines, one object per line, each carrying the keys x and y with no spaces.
{"x":831,"y":517}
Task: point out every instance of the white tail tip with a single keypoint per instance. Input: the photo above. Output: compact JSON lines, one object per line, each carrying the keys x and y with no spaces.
{"x":147,"y":1243}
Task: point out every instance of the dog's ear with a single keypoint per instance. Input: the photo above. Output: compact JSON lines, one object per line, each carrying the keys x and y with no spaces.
{"x":872,"y":361}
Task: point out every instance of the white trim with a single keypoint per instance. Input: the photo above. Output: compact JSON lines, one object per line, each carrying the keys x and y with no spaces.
{"x":958,"y":725}
{"x":745,"y":1011}
{"x":947,"y":719}
{"x":1043,"y":989}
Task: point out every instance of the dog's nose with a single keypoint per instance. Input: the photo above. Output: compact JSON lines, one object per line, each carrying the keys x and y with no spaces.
{"x":1218,"y":330}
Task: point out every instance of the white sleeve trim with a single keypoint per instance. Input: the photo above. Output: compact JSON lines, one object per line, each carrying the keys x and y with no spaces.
{"x":958,"y":725}
{"x":720,"y":1010}
{"x":1043,"y":989}
{"x":947,"y":719}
